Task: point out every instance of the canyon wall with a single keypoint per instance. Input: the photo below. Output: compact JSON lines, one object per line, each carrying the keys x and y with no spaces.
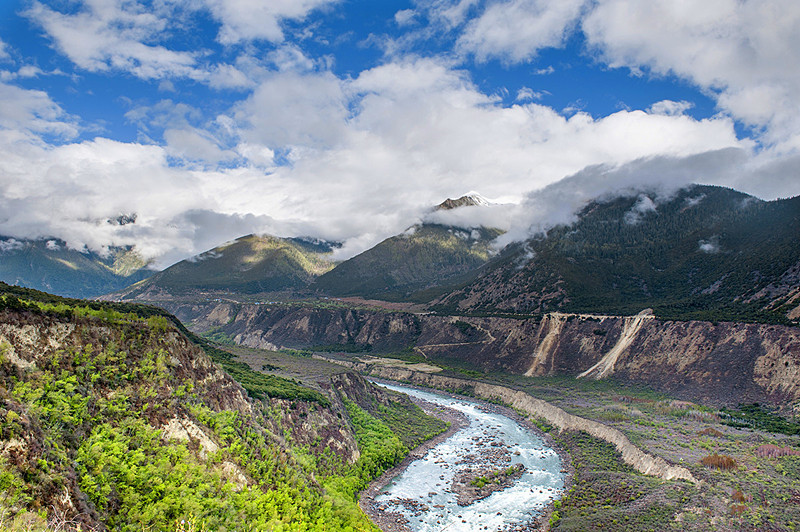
{"x":714,"y":362}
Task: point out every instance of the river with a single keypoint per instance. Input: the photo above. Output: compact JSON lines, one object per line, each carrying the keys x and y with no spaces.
{"x":422,"y":493}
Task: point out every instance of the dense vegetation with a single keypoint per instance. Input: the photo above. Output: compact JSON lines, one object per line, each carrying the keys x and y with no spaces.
{"x":759,"y":417}
{"x":415,"y":265}
{"x":68,"y":272}
{"x":706,"y":253}
{"x":80,"y":425}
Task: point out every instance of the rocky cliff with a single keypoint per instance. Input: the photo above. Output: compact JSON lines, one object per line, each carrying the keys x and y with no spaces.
{"x":720,"y":362}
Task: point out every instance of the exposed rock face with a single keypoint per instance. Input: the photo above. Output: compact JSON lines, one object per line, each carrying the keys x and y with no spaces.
{"x":715,"y":362}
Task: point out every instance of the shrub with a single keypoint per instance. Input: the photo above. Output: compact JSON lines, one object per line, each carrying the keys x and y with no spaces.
{"x":774,"y":451}
{"x":719,"y":461}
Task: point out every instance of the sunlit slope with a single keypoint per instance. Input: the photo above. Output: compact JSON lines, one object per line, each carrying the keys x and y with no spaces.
{"x":414,"y":265}
{"x":250,"y":264}
{"x":49,"y":265}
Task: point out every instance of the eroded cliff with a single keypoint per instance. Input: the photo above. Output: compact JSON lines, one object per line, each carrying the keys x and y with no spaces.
{"x":717,"y":362}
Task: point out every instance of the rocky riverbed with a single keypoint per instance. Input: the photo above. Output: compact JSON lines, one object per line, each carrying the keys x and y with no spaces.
{"x":488,"y":472}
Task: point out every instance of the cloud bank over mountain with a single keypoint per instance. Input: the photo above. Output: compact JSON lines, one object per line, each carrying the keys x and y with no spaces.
{"x":231,"y":127}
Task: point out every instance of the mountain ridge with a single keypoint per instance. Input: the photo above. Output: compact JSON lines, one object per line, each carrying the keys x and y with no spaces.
{"x":49,"y":264}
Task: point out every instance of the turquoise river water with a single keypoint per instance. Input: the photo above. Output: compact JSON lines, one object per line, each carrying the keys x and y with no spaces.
{"x":422,"y":492}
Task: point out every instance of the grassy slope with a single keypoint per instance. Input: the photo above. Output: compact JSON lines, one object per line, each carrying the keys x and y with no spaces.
{"x":606,"y":264}
{"x":404,"y":266}
{"x":249,"y":264}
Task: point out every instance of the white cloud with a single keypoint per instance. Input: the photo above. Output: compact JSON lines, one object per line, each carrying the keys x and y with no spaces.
{"x":741,"y":51}
{"x":291,"y":57}
{"x":128,"y":36}
{"x":244,"y":20}
{"x":405,"y":17}
{"x":526,"y":94}
{"x":643,"y":206}
{"x":4,"y":53}
{"x":192,"y":144}
{"x":24,"y":112}
{"x":111,"y":35}
{"x":514,"y":30}
{"x":296,"y":110}
{"x":709,"y":246}
{"x":11,"y":244}
{"x":670,"y":107}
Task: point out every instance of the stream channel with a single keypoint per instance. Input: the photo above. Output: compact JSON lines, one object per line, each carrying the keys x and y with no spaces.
{"x":423,"y":492}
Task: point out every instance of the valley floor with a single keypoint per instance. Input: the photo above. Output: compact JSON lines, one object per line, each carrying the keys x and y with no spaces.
{"x":749,"y":477}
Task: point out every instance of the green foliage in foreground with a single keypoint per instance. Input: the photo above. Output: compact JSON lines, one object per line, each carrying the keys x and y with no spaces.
{"x":258,"y":385}
{"x":86,"y":416}
{"x":380,"y":449}
{"x":410,"y":423}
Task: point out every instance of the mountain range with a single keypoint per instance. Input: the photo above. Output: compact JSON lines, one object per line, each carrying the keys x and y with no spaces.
{"x":250,"y":264}
{"x":50,"y":265}
{"x":703,"y":252}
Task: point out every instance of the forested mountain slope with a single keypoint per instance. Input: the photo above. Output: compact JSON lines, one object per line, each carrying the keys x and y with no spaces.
{"x":704,"y":253}
{"x":414,"y":265}
{"x":250,"y":264}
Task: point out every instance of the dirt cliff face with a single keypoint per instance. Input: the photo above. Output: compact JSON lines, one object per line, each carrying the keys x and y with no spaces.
{"x":717,"y":362}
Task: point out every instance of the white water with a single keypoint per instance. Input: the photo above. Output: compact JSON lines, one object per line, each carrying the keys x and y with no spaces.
{"x":428,"y":479}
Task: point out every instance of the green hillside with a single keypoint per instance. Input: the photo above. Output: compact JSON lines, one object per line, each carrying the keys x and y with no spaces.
{"x":49,"y":265}
{"x":707,"y":253}
{"x":250,"y":264}
{"x":112,"y":418}
{"x":415,"y":265}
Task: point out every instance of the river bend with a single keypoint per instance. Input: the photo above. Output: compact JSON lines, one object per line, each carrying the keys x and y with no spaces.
{"x":423,"y":492}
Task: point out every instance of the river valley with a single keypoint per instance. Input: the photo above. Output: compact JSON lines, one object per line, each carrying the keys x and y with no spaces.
{"x":491,"y":474}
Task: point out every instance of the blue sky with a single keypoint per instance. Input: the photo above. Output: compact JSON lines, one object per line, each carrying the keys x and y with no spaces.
{"x":347,"y":120}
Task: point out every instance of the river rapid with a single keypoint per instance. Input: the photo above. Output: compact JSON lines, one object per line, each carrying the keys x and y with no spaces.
{"x":423,"y":492}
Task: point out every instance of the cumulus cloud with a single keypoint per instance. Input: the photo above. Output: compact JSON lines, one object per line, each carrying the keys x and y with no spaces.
{"x":25,"y":113}
{"x":739,"y":51}
{"x":256,"y":19}
{"x":514,"y":30}
{"x":107,"y":35}
{"x":347,"y":159}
